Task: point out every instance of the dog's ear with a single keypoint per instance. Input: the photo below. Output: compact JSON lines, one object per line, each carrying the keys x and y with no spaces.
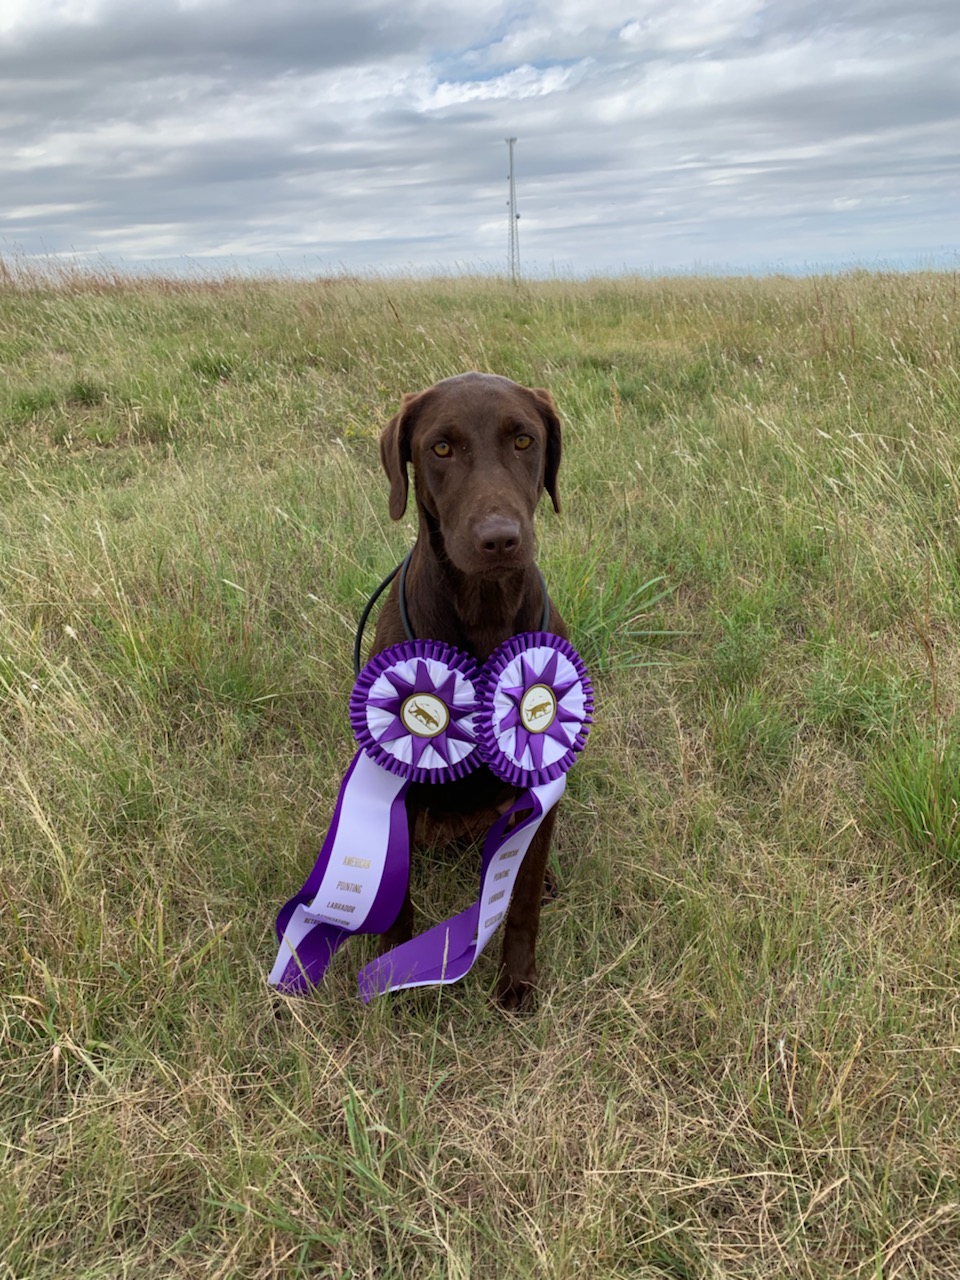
{"x":548,"y":412}
{"x":395,"y":453}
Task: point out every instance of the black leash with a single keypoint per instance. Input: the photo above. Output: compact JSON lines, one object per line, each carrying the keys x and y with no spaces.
{"x":404,"y":615}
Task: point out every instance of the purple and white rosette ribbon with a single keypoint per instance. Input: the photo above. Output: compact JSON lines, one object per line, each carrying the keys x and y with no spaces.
{"x":422,"y":712}
{"x":535,"y":708}
{"x":412,"y":711}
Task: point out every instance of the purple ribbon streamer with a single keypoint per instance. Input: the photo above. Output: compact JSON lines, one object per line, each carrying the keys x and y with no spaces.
{"x":310,"y":955}
{"x":447,"y":952}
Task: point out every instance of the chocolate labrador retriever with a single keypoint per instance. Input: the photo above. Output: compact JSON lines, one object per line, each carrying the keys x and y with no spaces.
{"x":483,"y":450}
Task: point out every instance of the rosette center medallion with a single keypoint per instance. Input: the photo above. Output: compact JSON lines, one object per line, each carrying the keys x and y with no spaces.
{"x":424,"y":715}
{"x":538,"y":708}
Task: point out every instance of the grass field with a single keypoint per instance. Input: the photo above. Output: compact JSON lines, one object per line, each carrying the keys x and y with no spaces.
{"x":745,"y":1058}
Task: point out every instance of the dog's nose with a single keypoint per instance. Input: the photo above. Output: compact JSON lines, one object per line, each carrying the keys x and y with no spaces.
{"x":497,"y":537}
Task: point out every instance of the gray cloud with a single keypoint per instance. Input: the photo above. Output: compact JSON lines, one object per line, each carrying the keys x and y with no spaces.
{"x":239,"y":37}
{"x":651,"y":135}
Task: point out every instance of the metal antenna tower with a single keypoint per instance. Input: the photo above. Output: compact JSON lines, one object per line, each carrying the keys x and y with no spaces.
{"x":513,"y":249}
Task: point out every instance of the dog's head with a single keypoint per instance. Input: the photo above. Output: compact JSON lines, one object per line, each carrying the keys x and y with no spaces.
{"x":483,"y":449}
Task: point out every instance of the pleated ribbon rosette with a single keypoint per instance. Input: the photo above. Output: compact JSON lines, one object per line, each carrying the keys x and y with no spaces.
{"x":422,"y":711}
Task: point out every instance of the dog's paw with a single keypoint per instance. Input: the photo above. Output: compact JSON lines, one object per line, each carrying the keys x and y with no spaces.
{"x":517,"y":994}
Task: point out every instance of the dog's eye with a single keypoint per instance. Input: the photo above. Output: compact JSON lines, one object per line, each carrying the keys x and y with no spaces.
{"x":523,"y":442}
{"x":442,"y":449}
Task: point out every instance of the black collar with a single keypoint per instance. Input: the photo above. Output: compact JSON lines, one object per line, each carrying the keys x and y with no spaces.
{"x":404,"y":615}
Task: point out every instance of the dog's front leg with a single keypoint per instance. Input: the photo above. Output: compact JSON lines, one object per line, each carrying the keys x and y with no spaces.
{"x":518,"y":964}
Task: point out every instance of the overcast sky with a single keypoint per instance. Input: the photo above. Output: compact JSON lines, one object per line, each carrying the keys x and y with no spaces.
{"x":313,"y":136}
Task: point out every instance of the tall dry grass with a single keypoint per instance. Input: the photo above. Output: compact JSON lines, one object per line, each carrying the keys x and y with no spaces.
{"x":744,"y":1060}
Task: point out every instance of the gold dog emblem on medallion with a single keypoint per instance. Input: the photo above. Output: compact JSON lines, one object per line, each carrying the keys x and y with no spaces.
{"x":538,"y":708}
{"x":424,"y":715}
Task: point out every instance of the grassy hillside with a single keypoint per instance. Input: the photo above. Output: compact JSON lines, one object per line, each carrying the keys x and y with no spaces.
{"x":744,"y":1060}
